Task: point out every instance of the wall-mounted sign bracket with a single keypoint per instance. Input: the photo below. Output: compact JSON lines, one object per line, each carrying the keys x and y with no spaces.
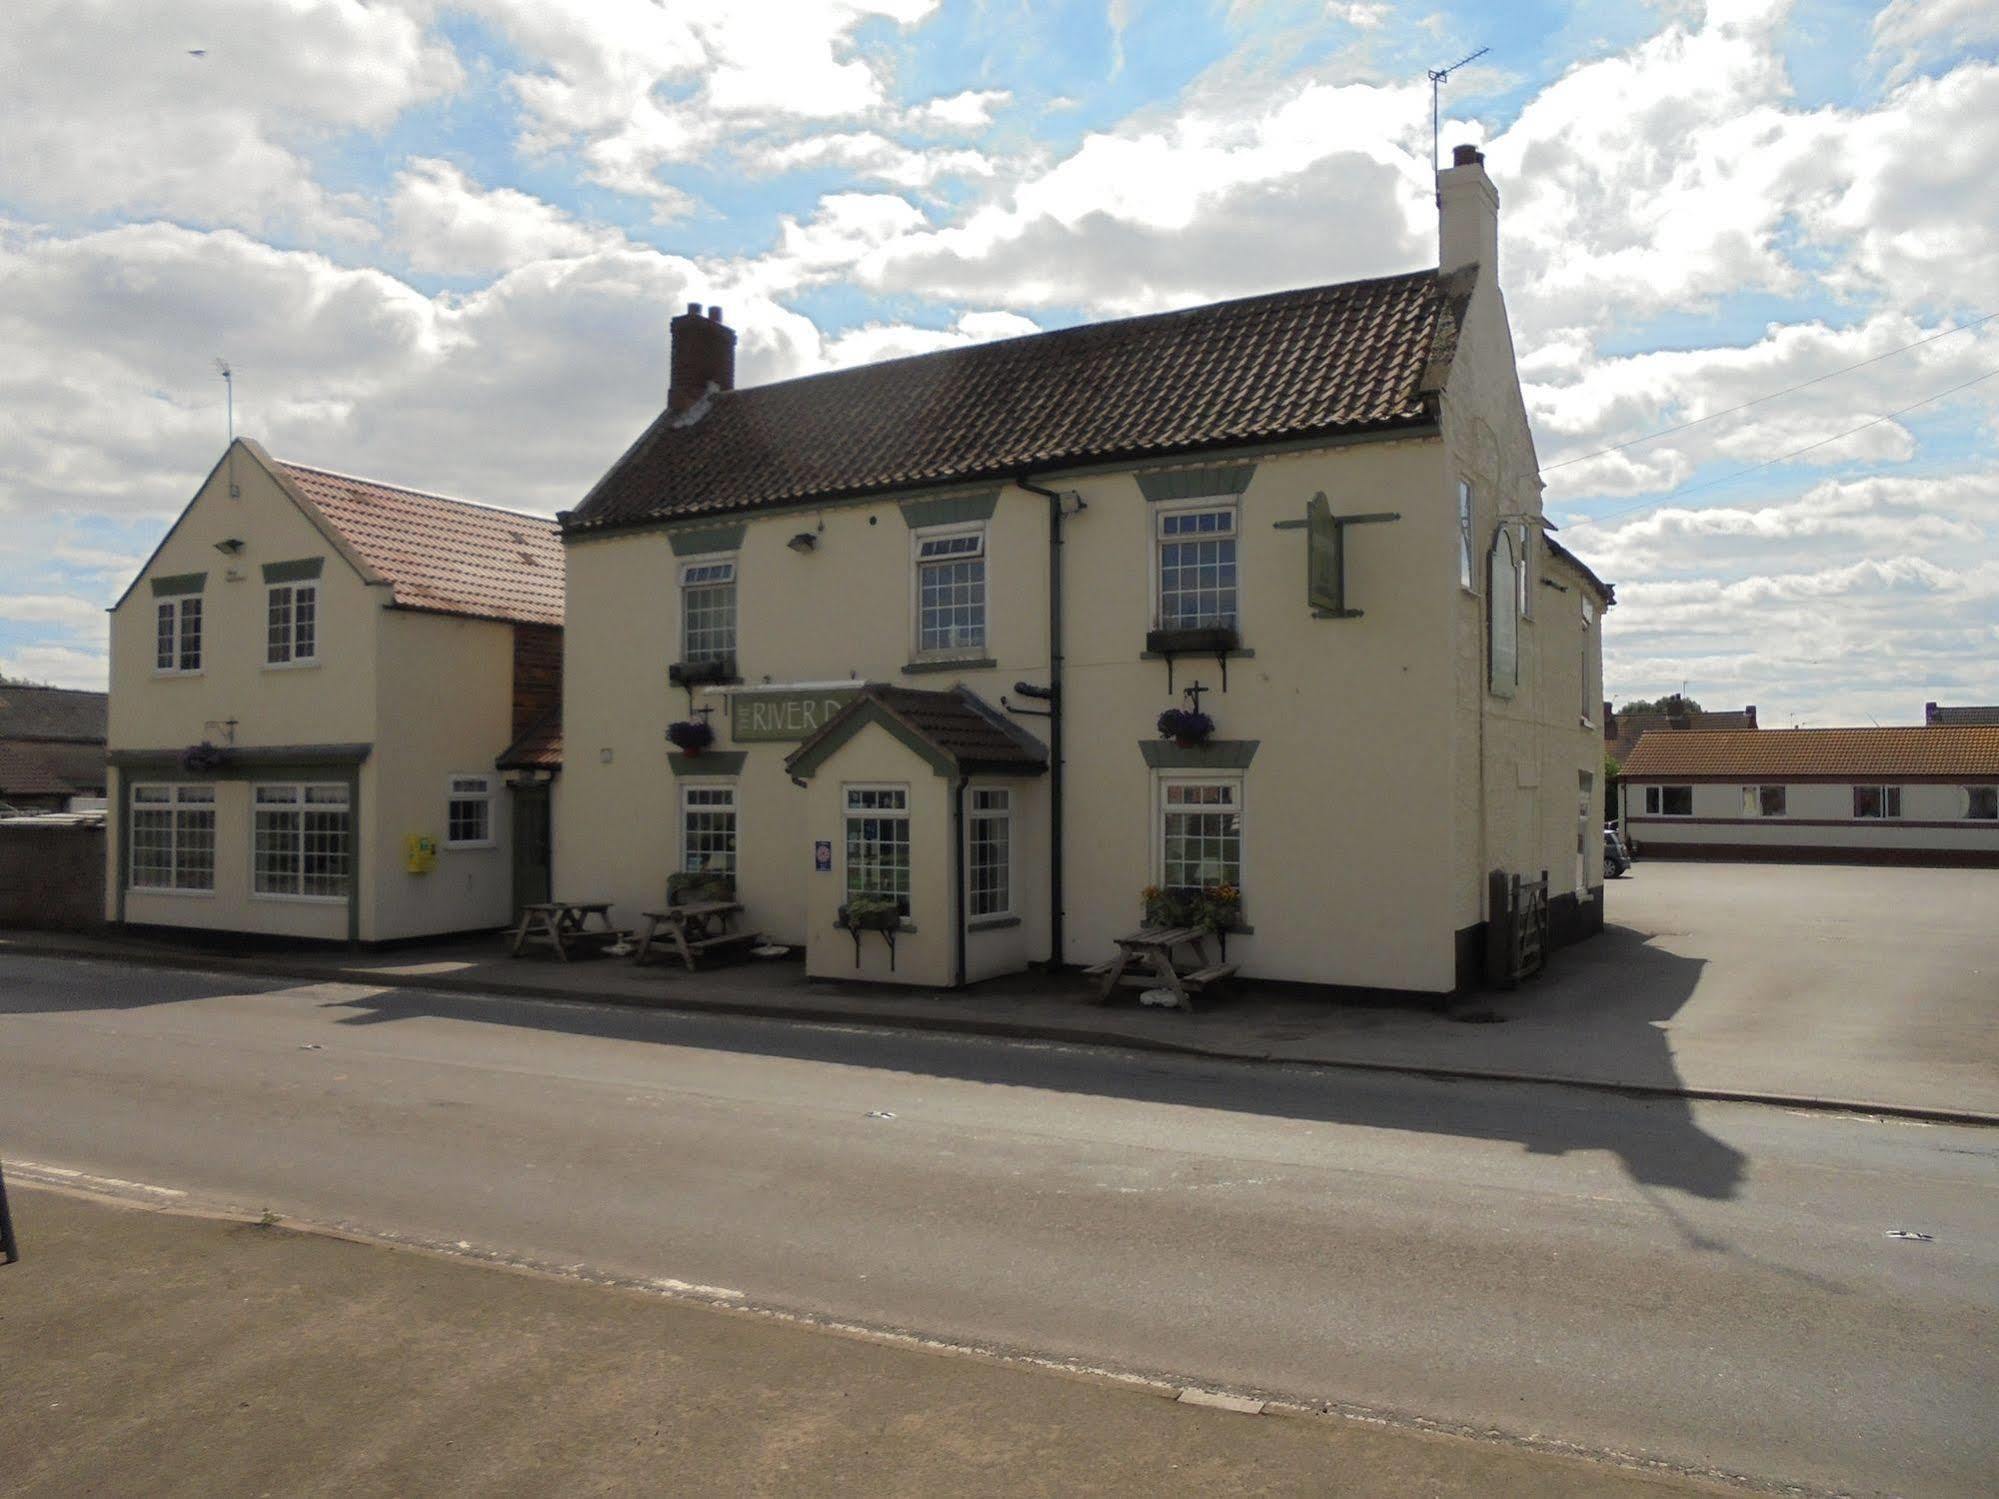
{"x":1326,"y":554}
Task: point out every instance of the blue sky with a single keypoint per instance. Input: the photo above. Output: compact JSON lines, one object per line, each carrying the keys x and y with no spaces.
{"x":439,"y":242}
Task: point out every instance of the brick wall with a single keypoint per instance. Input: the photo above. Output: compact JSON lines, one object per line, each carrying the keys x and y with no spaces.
{"x":537,"y":673}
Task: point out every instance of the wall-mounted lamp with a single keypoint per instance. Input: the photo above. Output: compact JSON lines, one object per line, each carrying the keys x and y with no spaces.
{"x":804,"y":541}
{"x":230,"y":547}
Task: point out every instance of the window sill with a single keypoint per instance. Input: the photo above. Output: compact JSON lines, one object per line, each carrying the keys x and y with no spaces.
{"x":1206,"y":640}
{"x":197,"y":672}
{"x":159,"y":890}
{"x":948,"y":663}
{"x":291,"y":665}
{"x":457,"y":848}
{"x":991,"y":923}
{"x":301,"y":900}
{"x":1234,"y":653}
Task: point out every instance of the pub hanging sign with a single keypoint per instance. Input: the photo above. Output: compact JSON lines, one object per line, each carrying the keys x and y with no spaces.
{"x":1326,"y":555}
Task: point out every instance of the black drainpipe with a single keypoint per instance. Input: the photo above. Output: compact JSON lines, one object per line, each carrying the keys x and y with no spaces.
{"x":1055,"y":949}
{"x":958,"y":882}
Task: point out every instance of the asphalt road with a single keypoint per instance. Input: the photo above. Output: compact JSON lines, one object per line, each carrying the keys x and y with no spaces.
{"x":1710,"y":1286}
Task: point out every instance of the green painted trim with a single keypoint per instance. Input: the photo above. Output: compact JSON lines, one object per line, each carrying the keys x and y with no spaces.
{"x":1197,"y":483}
{"x":1216,"y":754}
{"x":179,"y":583}
{"x":955,"y":510}
{"x":708,"y":763}
{"x":863,"y":711}
{"x":991,"y":923}
{"x":293,"y":572}
{"x":261,"y":760}
{"x":960,"y":663}
{"x":711,"y":539}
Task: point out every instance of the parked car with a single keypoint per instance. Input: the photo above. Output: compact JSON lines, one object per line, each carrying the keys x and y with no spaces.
{"x":1616,"y":862}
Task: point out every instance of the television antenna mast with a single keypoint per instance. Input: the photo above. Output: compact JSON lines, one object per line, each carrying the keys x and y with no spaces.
{"x":229,"y":385}
{"x":1438,"y":78}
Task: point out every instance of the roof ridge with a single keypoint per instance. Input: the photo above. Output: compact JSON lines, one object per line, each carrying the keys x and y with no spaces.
{"x":422,"y":494}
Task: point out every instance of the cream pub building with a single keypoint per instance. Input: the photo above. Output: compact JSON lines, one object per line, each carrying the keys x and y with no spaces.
{"x":932,"y":609}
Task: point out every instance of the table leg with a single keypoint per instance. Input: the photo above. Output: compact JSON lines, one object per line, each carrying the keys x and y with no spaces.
{"x":1111,"y":977}
{"x":680,"y":939}
{"x":1169,"y":978}
{"x":555,"y":929}
{"x":645,"y":942}
{"x":521,"y":933}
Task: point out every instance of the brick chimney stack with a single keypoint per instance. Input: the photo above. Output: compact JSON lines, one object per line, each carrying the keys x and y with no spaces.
{"x":1468,"y":215}
{"x":704,"y":354}
{"x":1750,"y":714}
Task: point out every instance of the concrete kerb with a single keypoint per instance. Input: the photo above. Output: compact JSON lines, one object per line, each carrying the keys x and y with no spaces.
{"x":969,"y":1025}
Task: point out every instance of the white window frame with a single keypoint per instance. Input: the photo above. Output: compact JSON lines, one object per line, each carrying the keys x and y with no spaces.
{"x":687,"y":810}
{"x":1001,"y":813}
{"x":1238,"y":784}
{"x":1890,"y":797}
{"x":1591,"y":698}
{"x":299,"y":808}
{"x":1655,"y":799}
{"x":294,"y":592}
{"x":1467,"y":559}
{"x":688,"y":570}
{"x":181,"y":800}
{"x":1503,"y":616}
{"x":849,"y":813}
{"x":918,"y":562}
{"x":460,"y":788}
{"x":1527,"y":577}
{"x":176,"y":606}
{"x":1752,"y":800}
{"x":1158,"y":540}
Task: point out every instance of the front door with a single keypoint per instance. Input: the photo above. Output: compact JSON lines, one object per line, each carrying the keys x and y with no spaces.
{"x":532,"y":860}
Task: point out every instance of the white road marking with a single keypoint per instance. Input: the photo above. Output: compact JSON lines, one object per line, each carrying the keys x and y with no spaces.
{"x":63,"y":1176}
{"x":1220,"y":1401}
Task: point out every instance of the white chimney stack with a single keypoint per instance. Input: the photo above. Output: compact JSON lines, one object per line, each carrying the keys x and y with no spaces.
{"x":1467,"y":215}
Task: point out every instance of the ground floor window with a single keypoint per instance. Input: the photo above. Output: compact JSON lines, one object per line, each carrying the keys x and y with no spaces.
{"x":1669,"y":801}
{"x":1982,"y":802}
{"x":1877,"y":801}
{"x":708,"y":830}
{"x":878,"y":843}
{"x":303,"y":841}
{"x":173,"y":838}
{"x":1200,"y":834}
{"x":468,"y":813}
{"x":989,"y":829}
{"x":1763,"y":801}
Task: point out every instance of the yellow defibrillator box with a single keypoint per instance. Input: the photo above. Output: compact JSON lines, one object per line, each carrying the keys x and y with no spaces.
{"x":419,"y":853}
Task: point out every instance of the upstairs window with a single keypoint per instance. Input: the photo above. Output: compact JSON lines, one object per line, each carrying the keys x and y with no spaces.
{"x":1197,"y":568}
{"x":1590,"y":699}
{"x":708,"y":613}
{"x":1464,"y":536}
{"x":1877,"y":801}
{"x":1503,"y":599}
{"x":292,"y":628}
{"x":1981,"y":803}
{"x":178,"y":637}
{"x":1763,"y":801}
{"x":468,"y":812}
{"x":950,"y":590}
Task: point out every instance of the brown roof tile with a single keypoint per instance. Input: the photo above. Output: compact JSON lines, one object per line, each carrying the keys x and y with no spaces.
{"x":52,"y":713}
{"x":51,"y":769}
{"x":1774,"y":754}
{"x":539,"y":748}
{"x":957,"y":727}
{"x":440,"y":554}
{"x":1365,"y":355}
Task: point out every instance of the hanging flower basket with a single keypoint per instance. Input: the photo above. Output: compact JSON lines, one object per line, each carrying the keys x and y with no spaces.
{"x":202,"y":758}
{"x":1186,"y":727}
{"x":690,"y":735}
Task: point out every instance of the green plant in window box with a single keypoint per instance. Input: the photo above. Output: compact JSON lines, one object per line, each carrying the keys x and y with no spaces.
{"x":693,"y":888}
{"x":1214,"y":908}
{"x":869,"y":912}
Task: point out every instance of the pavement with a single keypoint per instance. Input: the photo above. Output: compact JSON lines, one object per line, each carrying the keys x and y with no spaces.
{"x":1859,"y":988}
{"x":1716,"y":1289}
{"x":190,"y":1356}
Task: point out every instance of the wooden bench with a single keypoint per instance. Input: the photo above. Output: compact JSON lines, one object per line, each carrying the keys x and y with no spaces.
{"x":692,"y":930}
{"x":562,"y":927}
{"x":1146,"y":960}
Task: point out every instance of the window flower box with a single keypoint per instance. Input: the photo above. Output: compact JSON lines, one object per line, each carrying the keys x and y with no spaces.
{"x":1214,"y":908}
{"x":871,"y":913}
{"x":702,"y":673}
{"x":1207,"y":640}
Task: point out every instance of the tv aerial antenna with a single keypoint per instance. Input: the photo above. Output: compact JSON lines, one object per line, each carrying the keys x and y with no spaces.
{"x":1438,"y":78}
{"x":229,"y":385}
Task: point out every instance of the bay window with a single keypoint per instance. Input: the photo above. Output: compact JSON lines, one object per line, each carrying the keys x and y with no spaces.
{"x":302,"y":842}
{"x":173,"y":838}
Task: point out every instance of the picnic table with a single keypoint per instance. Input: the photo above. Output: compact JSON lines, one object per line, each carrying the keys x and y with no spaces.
{"x":564,"y":924}
{"x":1172,"y":958}
{"x":698,"y":926}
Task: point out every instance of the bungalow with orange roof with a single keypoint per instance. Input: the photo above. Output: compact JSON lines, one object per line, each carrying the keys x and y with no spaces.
{"x":1914,"y":795}
{"x":312,"y":681}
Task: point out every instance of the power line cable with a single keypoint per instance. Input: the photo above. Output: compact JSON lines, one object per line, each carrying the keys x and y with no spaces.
{"x":1597,"y":520}
{"x":1618,"y":447}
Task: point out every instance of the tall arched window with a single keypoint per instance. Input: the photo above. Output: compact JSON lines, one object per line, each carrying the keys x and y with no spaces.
{"x":1503,"y":612}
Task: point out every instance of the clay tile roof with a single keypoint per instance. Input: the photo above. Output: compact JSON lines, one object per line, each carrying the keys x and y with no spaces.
{"x":538,"y":748}
{"x":444,"y":555}
{"x":51,"y":769}
{"x":1365,"y":355}
{"x":53,"y":713}
{"x":956,"y":729}
{"x":1860,"y":754}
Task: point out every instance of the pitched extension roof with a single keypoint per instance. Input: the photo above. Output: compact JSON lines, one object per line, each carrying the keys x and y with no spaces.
{"x":51,"y":769}
{"x":1328,"y":360}
{"x":956,"y":731}
{"x":53,"y":713}
{"x":1946,"y":753}
{"x":439,"y":554}
{"x":1632,"y":727}
{"x":538,"y":748}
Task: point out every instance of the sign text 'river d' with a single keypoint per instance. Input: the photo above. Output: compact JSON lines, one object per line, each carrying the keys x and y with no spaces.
{"x":785,"y":714}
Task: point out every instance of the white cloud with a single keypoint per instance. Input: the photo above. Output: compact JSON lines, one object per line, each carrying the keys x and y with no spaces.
{"x":877,"y":341}
{"x":447,"y":224}
{"x":868,"y":154}
{"x":1909,"y":33}
{"x":57,"y":666}
{"x":108,"y":113}
{"x":968,"y":111}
